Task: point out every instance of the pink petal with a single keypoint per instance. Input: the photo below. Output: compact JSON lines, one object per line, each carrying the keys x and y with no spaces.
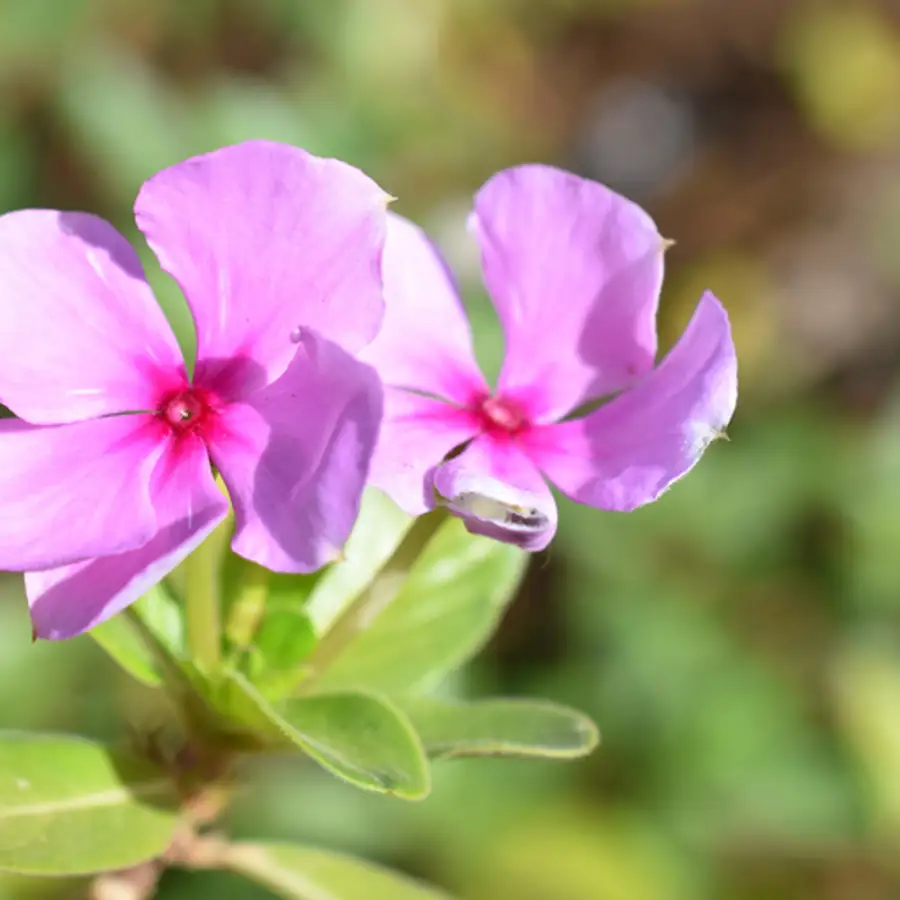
{"x":629,"y":451}
{"x":425,"y":343}
{"x":71,"y":599}
{"x":498,"y":492}
{"x":575,"y":272}
{"x":80,"y":331}
{"x":264,"y":239}
{"x":72,"y":491}
{"x":416,"y":434}
{"x":295,"y":457}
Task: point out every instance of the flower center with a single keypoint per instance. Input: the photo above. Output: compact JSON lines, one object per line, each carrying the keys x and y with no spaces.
{"x":502,"y":414}
{"x":185,"y":410}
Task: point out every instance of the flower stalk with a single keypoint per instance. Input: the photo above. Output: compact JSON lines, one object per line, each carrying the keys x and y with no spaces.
{"x":203,"y":598}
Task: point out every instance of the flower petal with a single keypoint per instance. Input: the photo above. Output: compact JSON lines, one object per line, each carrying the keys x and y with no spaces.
{"x":575,"y":272}
{"x":265,"y":238}
{"x":72,"y":491}
{"x":498,"y":492}
{"x":295,"y":457}
{"x":425,"y":343}
{"x":416,"y":434}
{"x":626,"y":453}
{"x":80,"y":331}
{"x":71,"y":599}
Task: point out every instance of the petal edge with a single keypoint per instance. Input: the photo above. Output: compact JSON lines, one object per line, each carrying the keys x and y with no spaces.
{"x":69,"y":600}
{"x":73,"y":491}
{"x":574,"y":270}
{"x":499,"y":493}
{"x":81,"y":334}
{"x":295,"y":457}
{"x":265,"y":238}
{"x":425,"y":343}
{"x":628,"y":452}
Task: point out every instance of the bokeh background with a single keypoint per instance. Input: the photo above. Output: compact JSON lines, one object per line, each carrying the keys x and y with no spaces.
{"x":738,"y":641}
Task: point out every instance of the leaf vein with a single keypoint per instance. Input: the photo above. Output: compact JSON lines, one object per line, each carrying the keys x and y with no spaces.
{"x":114,"y":797}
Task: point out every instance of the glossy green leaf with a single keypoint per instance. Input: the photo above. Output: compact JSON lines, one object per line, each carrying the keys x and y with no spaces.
{"x":284,"y":638}
{"x":449,"y":605}
{"x":273,"y":684}
{"x":69,"y":806}
{"x":243,"y":712}
{"x":380,"y":528}
{"x":500,"y":728}
{"x":159,"y":611}
{"x":360,"y":738}
{"x":305,"y":873}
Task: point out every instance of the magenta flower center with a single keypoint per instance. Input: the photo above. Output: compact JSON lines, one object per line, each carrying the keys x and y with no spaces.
{"x":187,"y":410}
{"x":501,"y":415}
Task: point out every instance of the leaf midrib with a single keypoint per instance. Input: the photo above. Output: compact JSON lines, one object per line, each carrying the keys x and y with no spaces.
{"x":112,"y":797}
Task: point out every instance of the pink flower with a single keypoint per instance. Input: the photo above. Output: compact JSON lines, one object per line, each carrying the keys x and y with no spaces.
{"x":574,"y":271}
{"x":106,"y":476}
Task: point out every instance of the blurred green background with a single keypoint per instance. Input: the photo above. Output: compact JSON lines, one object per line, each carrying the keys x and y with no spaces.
{"x":738,"y":641}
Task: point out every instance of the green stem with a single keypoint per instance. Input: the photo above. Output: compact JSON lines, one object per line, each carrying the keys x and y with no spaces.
{"x":203,"y":595}
{"x":358,"y":616}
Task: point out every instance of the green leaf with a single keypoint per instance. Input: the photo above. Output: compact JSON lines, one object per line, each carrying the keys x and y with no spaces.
{"x":118,"y":637}
{"x":360,"y":738}
{"x":162,"y":614}
{"x":284,"y":638}
{"x":378,"y":531}
{"x":500,"y":728}
{"x":305,"y":873}
{"x":455,"y":594}
{"x":69,"y":806}
{"x":244,"y":713}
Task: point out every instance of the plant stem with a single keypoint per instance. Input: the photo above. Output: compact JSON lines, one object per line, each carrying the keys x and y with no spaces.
{"x":358,"y":615}
{"x":137,"y":883}
{"x":203,"y":596}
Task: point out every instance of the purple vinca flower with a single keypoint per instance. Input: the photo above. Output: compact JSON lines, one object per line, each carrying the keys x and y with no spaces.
{"x":106,"y":474}
{"x":575,"y":272}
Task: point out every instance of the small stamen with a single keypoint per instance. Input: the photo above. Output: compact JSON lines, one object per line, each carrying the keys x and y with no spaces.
{"x":503,"y":414}
{"x":185,"y":410}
